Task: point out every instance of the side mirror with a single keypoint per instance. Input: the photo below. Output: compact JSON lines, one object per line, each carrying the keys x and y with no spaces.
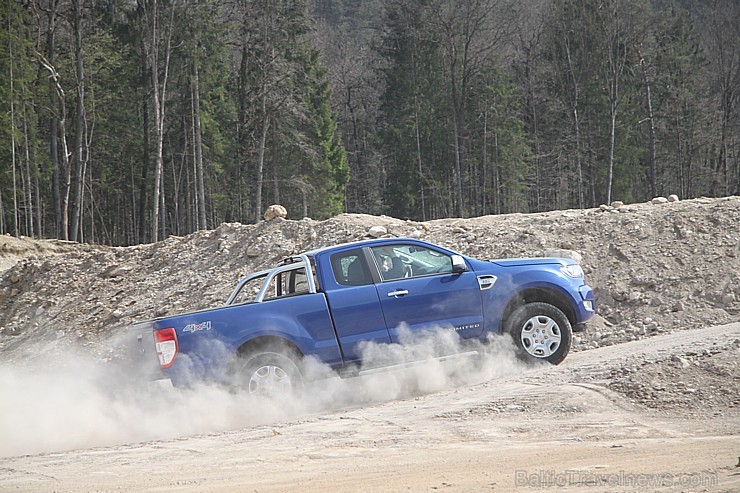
{"x":458,"y":264}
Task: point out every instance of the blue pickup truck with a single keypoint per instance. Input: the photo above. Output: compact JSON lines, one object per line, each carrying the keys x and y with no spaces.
{"x":328,"y":303}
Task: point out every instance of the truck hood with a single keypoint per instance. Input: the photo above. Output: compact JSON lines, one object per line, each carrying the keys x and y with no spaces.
{"x":518,"y":262}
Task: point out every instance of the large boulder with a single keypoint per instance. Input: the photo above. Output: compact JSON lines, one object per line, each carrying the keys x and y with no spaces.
{"x":275,"y":211}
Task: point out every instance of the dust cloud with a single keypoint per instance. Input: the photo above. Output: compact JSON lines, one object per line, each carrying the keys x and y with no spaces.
{"x":73,"y":401}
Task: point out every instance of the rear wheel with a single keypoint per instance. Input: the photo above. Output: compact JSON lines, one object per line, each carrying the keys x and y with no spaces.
{"x":541,"y":331}
{"x":269,"y":373}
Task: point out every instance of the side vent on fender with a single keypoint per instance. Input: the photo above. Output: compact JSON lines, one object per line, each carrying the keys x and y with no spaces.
{"x":486,"y":282}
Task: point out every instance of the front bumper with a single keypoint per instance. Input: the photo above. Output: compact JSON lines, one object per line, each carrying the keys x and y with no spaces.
{"x":586,"y":308}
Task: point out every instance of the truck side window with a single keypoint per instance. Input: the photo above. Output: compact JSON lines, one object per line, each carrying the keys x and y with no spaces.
{"x":404,"y":261}
{"x":249,"y":290}
{"x":350,"y":268}
{"x":288,"y":283}
{"x":297,"y":282}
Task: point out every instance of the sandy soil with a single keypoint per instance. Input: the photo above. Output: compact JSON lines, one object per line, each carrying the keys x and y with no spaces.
{"x":565,"y":428}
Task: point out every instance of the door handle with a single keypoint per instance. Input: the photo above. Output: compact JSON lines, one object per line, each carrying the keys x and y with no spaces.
{"x":398,"y":292}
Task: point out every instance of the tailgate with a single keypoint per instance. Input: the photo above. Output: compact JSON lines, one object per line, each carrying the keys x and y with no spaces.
{"x":141,"y":353}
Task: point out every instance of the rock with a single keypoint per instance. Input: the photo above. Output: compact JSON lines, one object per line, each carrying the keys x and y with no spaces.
{"x":604,"y":208}
{"x":458,"y":230}
{"x":659,"y":200}
{"x":14,"y":277}
{"x":677,"y":307}
{"x":617,"y":252}
{"x":617,"y":204}
{"x":40,"y":311}
{"x":377,"y":231}
{"x":275,"y":211}
{"x":415,"y":234}
{"x":515,"y":407}
{"x":114,"y":271}
{"x":728,"y":299}
{"x":673,"y":198}
{"x":682,"y":361}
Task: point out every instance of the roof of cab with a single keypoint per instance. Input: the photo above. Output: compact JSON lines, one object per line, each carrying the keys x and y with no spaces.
{"x":363,"y":243}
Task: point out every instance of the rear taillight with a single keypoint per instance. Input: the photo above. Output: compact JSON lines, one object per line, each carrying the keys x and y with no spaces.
{"x":166,"y":344}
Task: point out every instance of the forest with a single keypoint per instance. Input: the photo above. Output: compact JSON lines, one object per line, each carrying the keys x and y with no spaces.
{"x":127,"y":121}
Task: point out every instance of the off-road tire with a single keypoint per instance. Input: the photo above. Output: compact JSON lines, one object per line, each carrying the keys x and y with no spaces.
{"x":269,"y":373}
{"x":541,"y":332}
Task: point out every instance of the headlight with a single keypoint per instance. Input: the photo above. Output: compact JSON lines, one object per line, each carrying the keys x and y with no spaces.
{"x":572,"y":270}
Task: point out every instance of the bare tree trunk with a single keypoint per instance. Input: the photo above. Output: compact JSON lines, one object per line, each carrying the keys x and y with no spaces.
{"x":653,"y":146}
{"x":143,"y":184}
{"x":66,"y":169}
{"x":536,"y":141}
{"x":616,"y":38}
{"x":419,"y":162}
{"x":275,"y":182}
{"x":484,"y":197}
{"x":159,"y":107}
{"x":590,"y":166}
{"x":191,"y":222}
{"x":53,"y":120}
{"x":458,"y":126}
{"x":37,"y":189}
{"x":29,"y":183}
{"x":200,"y":186}
{"x":154,"y":74}
{"x":80,"y":117}
{"x":610,"y":171}
{"x":133,"y":226}
{"x":261,"y":157}
{"x":162,"y":207}
{"x":496,"y":177}
{"x":12,"y":131}
{"x":265,"y":122}
{"x":88,"y":132}
{"x":577,"y":124}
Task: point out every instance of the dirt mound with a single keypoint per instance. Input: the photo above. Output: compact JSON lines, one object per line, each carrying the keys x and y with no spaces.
{"x":13,"y":249}
{"x":655,"y":269}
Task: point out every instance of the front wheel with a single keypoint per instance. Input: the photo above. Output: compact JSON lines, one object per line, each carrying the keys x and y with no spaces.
{"x":541,"y":331}
{"x":269,"y":374}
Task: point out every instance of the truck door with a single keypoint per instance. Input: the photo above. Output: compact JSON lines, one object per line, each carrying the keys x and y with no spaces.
{"x":354,"y":304}
{"x":418,"y":290}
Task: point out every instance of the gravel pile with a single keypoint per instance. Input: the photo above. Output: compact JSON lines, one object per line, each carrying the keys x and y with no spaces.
{"x":656,"y":268}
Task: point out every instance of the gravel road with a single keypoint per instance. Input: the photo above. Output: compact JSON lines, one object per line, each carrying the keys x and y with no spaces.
{"x":529,"y":429}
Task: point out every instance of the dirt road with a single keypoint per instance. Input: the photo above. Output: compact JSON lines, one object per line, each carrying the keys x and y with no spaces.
{"x":543,"y":428}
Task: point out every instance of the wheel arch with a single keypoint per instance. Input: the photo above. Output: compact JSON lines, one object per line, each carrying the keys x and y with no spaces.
{"x":541,"y":294}
{"x":264,"y":342}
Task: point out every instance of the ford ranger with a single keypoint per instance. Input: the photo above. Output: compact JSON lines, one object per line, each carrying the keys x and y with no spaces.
{"x":329,"y":302}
